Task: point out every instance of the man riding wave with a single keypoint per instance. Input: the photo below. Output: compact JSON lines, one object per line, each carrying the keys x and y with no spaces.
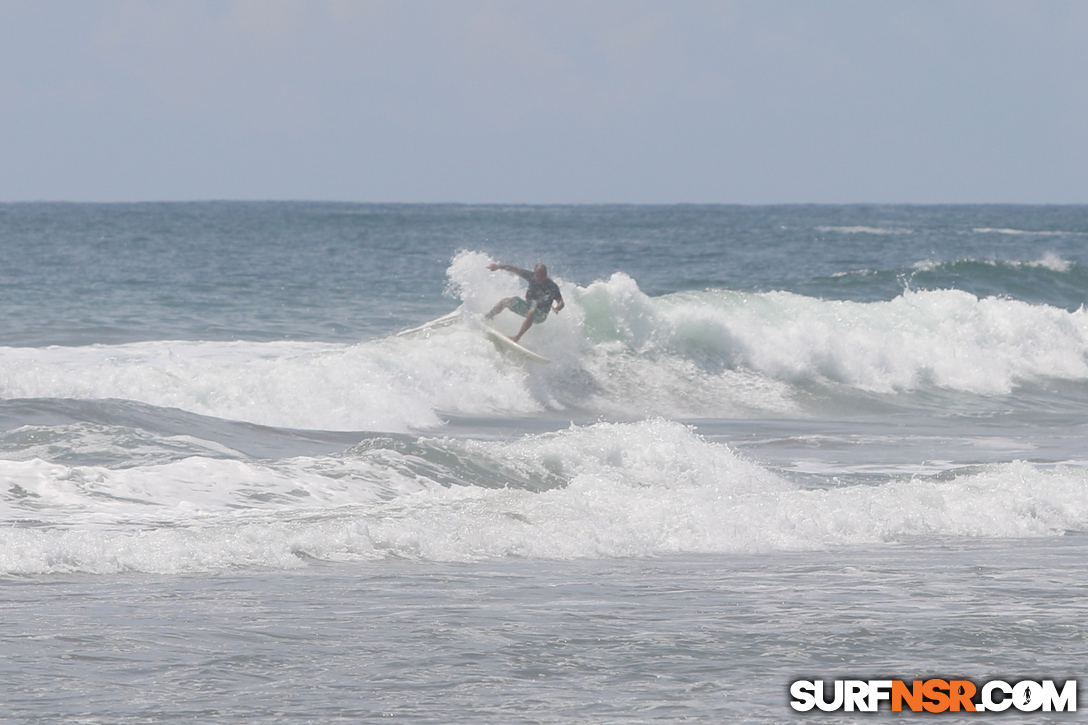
{"x":540,"y":296}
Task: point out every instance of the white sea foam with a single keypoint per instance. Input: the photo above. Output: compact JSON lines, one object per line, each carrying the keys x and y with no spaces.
{"x":1049,"y":260}
{"x":605,"y":490}
{"x":929,"y":265}
{"x":389,"y":384}
{"x":863,"y":230}
{"x":949,"y":339}
{"x":1020,"y":232}
{"x":1053,"y":262}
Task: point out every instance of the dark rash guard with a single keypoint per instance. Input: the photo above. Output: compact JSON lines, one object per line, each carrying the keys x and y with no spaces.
{"x":540,"y":296}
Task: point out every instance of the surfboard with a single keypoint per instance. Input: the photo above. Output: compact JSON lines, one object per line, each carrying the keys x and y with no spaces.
{"x":505,"y":344}
{"x":442,"y":321}
{"x":502,"y":342}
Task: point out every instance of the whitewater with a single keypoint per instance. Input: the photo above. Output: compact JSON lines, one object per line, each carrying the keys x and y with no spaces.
{"x":768,"y":438}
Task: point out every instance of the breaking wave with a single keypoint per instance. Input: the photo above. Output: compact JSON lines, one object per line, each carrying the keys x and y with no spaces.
{"x":615,"y":351}
{"x":605,"y":490}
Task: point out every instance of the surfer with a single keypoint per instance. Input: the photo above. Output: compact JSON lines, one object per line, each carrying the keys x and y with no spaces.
{"x":540,"y":296}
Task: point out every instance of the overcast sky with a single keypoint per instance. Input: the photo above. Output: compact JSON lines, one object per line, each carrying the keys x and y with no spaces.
{"x":538,"y":101}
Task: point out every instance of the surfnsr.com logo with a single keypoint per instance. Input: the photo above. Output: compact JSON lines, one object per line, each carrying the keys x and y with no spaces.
{"x":934,"y":696}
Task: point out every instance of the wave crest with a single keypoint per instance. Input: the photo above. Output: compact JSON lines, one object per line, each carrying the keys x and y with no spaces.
{"x":616,"y":352}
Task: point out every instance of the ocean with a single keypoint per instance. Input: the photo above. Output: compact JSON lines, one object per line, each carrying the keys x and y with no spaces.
{"x":242,"y":480}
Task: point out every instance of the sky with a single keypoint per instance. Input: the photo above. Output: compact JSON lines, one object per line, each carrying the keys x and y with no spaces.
{"x":545,"y":101}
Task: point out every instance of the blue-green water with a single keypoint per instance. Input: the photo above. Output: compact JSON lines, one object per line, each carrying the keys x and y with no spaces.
{"x":111,"y":273}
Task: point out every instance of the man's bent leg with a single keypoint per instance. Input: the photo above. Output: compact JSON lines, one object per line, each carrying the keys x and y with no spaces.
{"x":503,"y":304}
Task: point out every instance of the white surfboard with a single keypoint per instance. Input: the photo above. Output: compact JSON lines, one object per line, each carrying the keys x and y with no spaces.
{"x":442,"y":321}
{"x":505,"y":344}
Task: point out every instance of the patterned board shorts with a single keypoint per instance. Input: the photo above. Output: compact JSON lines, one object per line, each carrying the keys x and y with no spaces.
{"x":522,"y":308}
